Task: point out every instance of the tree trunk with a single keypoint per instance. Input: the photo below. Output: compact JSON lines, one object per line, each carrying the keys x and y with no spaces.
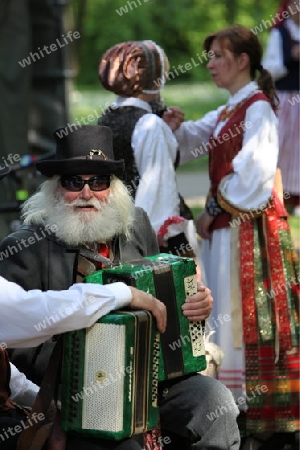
{"x":231,"y":11}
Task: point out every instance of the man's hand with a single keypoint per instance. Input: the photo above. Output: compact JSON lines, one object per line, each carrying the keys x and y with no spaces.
{"x":198,"y":306}
{"x":174,"y":116}
{"x":142,"y":300}
{"x":203,"y":223}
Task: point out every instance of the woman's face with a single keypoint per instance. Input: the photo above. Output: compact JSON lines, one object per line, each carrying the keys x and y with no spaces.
{"x":224,"y":67}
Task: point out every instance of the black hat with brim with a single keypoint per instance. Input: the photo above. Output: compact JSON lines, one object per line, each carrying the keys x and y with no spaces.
{"x":4,"y":171}
{"x":82,"y":150}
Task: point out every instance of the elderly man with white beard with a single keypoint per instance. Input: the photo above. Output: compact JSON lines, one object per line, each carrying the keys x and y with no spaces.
{"x":85,"y":303}
{"x":88,"y":210}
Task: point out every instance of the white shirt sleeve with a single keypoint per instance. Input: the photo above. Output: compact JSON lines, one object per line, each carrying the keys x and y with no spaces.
{"x":29,"y":318}
{"x":155,"y":147}
{"x":193,"y":136}
{"x":273,"y":58}
{"x":251,"y":183}
{"x":23,"y":391}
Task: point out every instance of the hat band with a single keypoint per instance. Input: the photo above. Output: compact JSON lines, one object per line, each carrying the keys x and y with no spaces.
{"x":162,"y":75}
{"x":93,"y":156}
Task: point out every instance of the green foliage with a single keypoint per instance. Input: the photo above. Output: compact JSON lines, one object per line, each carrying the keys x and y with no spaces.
{"x":179,"y":27}
{"x":195,"y":99}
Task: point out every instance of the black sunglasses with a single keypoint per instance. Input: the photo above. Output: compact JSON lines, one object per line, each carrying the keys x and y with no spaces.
{"x":75,"y":183}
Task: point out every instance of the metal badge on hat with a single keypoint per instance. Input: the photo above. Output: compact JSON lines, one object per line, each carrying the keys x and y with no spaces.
{"x":98,"y":153}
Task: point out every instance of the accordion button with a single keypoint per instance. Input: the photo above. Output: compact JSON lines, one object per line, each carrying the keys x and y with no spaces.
{"x":165,"y":392}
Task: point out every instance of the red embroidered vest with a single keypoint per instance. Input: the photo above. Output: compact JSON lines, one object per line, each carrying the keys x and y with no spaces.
{"x":224,"y":148}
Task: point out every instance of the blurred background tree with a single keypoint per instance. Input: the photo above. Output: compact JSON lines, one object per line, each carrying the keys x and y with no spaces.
{"x":179,"y":27}
{"x":63,"y":86}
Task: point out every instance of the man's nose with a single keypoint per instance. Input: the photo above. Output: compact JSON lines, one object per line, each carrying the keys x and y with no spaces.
{"x":86,"y":192}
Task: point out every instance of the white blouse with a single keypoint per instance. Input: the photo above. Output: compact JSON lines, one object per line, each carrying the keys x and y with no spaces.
{"x":23,"y":391}
{"x":26,"y":321}
{"x":273,"y":59}
{"x":251,"y":183}
{"x":154,"y":148}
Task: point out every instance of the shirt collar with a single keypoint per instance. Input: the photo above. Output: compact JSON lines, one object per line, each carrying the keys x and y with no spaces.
{"x":242,"y":94}
{"x":133,"y":101}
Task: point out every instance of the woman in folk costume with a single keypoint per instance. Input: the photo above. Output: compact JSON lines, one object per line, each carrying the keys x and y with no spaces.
{"x":282,"y":60}
{"x":135,"y":72}
{"x":247,"y":250}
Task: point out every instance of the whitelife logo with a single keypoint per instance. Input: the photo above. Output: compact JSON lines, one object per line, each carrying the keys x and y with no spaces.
{"x":53,"y":47}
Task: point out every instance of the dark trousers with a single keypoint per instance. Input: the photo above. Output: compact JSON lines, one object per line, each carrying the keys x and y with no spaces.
{"x":8,"y":421}
{"x":9,"y":439}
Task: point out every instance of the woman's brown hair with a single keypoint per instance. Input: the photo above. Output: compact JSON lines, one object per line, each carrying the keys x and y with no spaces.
{"x":239,"y":39}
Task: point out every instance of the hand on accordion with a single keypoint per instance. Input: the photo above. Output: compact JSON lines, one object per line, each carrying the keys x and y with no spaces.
{"x":142,"y":300}
{"x":198,"y":306}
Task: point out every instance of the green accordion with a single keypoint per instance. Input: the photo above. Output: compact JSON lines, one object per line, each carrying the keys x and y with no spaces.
{"x":111,"y":370}
{"x":110,"y":376}
{"x":171,"y":279}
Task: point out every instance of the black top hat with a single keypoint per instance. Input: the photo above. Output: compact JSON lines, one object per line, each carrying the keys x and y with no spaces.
{"x":80,"y":150}
{"x":4,"y":171}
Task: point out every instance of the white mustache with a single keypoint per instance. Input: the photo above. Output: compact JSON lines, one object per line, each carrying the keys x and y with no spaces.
{"x":97,"y":204}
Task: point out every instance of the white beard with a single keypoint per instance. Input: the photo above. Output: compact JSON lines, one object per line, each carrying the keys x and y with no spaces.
{"x":112,"y":217}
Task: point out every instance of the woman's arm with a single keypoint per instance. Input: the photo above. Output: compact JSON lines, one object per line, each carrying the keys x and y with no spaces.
{"x":29,"y":318}
{"x":193,"y":136}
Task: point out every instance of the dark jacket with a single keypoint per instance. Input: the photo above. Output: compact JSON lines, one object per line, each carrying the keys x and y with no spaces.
{"x":289,"y":82}
{"x":33,"y":258}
